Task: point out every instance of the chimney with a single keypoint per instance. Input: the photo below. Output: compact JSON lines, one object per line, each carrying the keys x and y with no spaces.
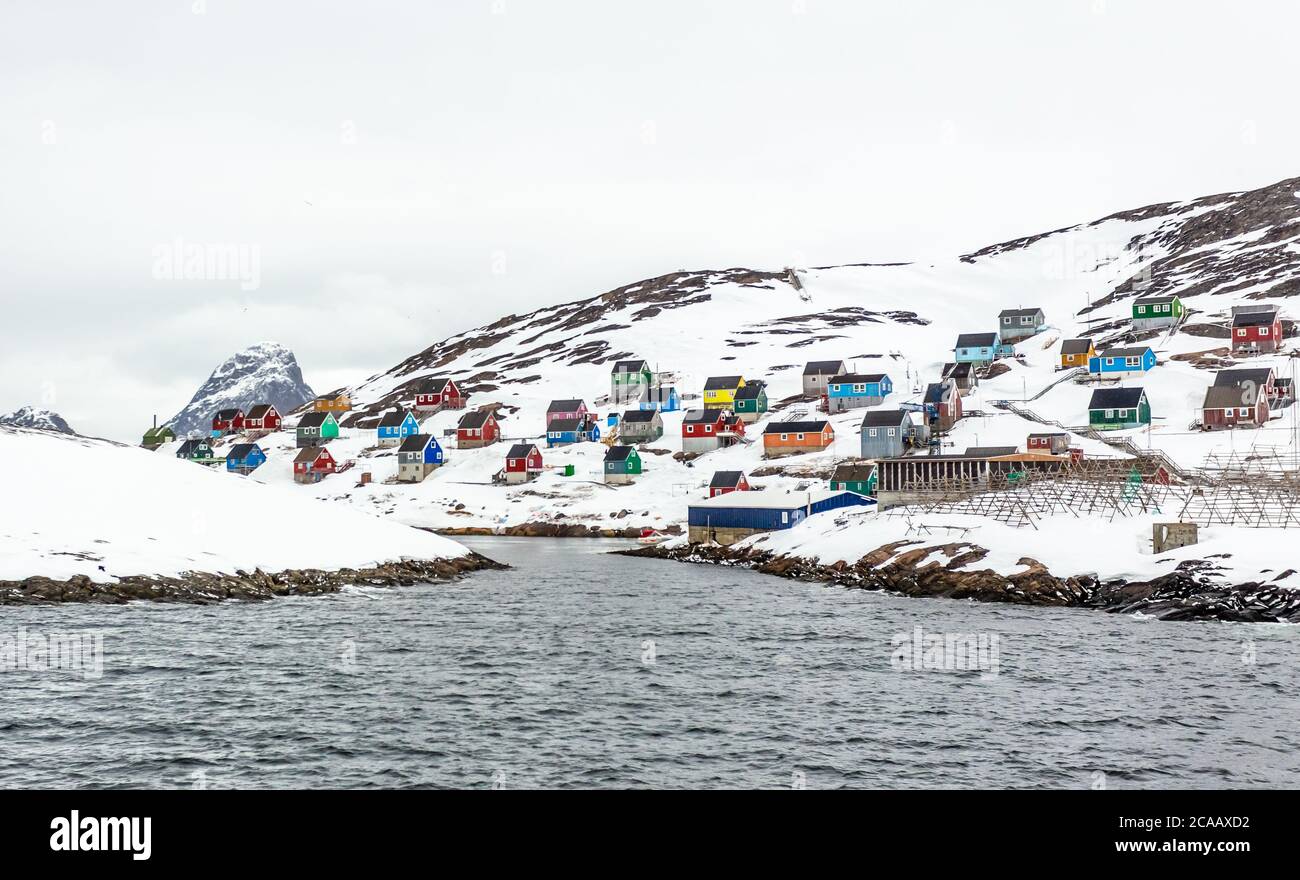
{"x":155,"y":420}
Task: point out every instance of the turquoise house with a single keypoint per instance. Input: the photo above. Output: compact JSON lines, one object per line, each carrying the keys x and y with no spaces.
{"x":1119,"y":362}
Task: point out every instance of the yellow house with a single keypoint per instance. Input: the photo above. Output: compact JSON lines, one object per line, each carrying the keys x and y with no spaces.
{"x":336,"y":403}
{"x":720,"y":391}
{"x":1075,"y":352}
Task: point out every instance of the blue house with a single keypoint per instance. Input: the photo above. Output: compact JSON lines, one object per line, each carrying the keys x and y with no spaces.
{"x":978,"y":348}
{"x":244,"y":458}
{"x":661,"y":397}
{"x":396,"y":426}
{"x":1120,"y":362}
{"x":855,"y":390}
{"x":563,"y":432}
{"x":417,"y":457}
{"x":732,"y":517}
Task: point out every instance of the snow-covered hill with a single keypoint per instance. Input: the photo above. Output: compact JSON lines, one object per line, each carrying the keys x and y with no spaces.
{"x":902,"y":319}
{"x":263,"y":373}
{"x":100,"y":509}
{"x":36,"y":419}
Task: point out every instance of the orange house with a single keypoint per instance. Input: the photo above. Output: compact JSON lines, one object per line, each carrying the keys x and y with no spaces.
{"x":335,"y":403}
{"x":791,"y":438}
{"x":1075,"y":353}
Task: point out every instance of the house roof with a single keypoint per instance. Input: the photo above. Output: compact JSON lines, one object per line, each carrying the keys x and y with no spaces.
{"x":718,"y":383}
{"x":702,"y":415}
{"x":639,"y":415}
{"x":1019,"y":313}
{"x":476,"y":419}
{"x":958,"y":371}
{"x":935,"y":392}
{"x":393,"y":419}
{"x":770,"y":499}
{"x":818,"y":368}
{"x":1115,"y":398}
{"x":309,"y":453}
{"x":314,"y":419}
{"x":1228,"y":397}
{"x":159,"y":431}
{"x":190,"y":445}
{"x":632,"y":366}
{"x":572,"y":405}
{"x":226,"y":415}
{"x":976,"y":340}
{"x":1050,"y":434}
{"x":260,"y":411}
{"x":521,"y":450}
{"x":241,"y":450}
{"x":1241,"y":375}
{"x":1150,"y":300}
{"x":1076,"y":346}
{"x":857,"y":378}
{"x":726,"y":479}
{"x":989,"y":451}
{"x":567,"y":425}
{"x":1254,"y":319}
{"x":433,"y":385}
{"x":619,"y":453}
{"x":884,"y":418}
{"x":415,"y":443}
{"x":852,"y":473}
{"x":751,"y":391}
{"x":812,"y":426}
{"x":1127,"y":351}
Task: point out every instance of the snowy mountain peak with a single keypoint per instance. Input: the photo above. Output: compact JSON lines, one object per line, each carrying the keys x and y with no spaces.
{"x":36,"y":419}
{"x":265,"y":372}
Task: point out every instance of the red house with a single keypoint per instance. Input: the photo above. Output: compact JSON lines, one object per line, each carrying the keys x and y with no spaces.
{"x":565,"y":409}
{"x":1256,"y":329}
{"x":523,"y":463}
{"x":477,"y":429}
{"x":727,"y":481}
{"x":263,"y":417}
{"x":1055,"y":443}
{"x":312,"y":464}
{"x":227,"y":421}
{"x":1227,"y":406}
{"x":434,"y":394}
{"x":704,"y":430}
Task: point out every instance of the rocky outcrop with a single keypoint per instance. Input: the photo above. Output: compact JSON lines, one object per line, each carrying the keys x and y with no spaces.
{"x":912,"y":569}
{"x":552,"y":530}
{"x":36,"y":419}
{"x":201,"y":588}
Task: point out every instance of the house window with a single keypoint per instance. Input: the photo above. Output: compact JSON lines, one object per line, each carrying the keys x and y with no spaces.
{"x":1245,"y":413}
{"x":785,"y":517}
{"x":871,"y":432}
{"x":891,"y":432}
{"x":798,"y":436}
{"x":1263,"y":331}
{"x":1110,"y":413}
{"x":1110,"y":362}
{"x":1132,"y":361}
{"x":708,"y":429}
{"x":1241,"y":332}
{"x":785,"y":436}
{"x":1142,"y":310}
{"x":1026,"y":320}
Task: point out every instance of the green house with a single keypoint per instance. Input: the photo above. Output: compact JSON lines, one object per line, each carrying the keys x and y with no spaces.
{"x":1156,"y":311}
{"x":622,"y":463}
{"x":317,"y":428}
{"x":1114,"y":409}
{"x":859,"y":478}
{"x":751,"y":401}
{"x":629,"y":380}
{"x":196,"y":450}
{"x":156,"y":436}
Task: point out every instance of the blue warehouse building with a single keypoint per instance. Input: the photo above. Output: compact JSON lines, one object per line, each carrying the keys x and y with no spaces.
{"x":726,"y":519}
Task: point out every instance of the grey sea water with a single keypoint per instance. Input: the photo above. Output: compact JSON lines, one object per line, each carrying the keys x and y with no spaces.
{"x":578,"y":669}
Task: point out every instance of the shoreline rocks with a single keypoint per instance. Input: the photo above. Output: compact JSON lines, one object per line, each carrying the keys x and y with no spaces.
{"x":941,"y":571}
{"x":205,"y":588}
{"x":550,"y":530}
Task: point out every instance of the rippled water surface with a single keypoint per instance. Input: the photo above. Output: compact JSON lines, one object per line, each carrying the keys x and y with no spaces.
{"x":578,"y":669}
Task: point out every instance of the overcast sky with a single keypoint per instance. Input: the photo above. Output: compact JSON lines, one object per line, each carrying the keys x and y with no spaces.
{"x":405,"y":171}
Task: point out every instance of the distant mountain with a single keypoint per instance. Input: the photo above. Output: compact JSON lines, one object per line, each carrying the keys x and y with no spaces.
{"x":36,"y":419}
{"x":263,"y":373}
